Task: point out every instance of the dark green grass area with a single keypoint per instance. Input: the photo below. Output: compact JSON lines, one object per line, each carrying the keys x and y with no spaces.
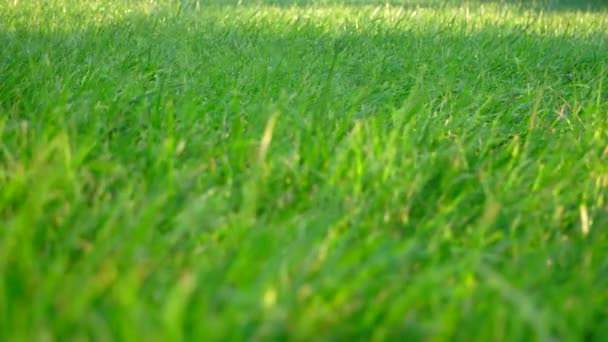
{"x":209,"y":171}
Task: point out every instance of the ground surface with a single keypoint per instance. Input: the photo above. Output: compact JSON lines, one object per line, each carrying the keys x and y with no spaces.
{"x":354,"y":169}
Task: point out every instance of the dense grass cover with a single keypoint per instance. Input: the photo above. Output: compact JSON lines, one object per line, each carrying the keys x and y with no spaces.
{"x":333,"y":169}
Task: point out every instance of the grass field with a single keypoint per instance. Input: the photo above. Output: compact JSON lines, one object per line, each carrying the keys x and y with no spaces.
{"x":270,"y":170}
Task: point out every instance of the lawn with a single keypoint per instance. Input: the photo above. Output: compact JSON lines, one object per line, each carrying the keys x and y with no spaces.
{"x":302,"y":170}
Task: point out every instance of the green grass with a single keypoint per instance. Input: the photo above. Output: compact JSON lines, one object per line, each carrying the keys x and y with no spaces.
{"x":330,"y":169}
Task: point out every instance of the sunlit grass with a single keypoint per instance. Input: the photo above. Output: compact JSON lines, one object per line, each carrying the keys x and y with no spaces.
{"x":356,"y":169}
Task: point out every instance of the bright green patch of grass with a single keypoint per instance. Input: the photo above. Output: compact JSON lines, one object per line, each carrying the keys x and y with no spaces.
{"x":326,"y":169}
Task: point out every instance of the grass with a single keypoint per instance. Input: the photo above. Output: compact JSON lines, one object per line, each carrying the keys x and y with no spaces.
{"x":335,"y":170}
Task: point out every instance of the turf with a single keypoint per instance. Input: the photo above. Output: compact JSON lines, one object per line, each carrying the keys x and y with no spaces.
{"x":265,"y":170}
